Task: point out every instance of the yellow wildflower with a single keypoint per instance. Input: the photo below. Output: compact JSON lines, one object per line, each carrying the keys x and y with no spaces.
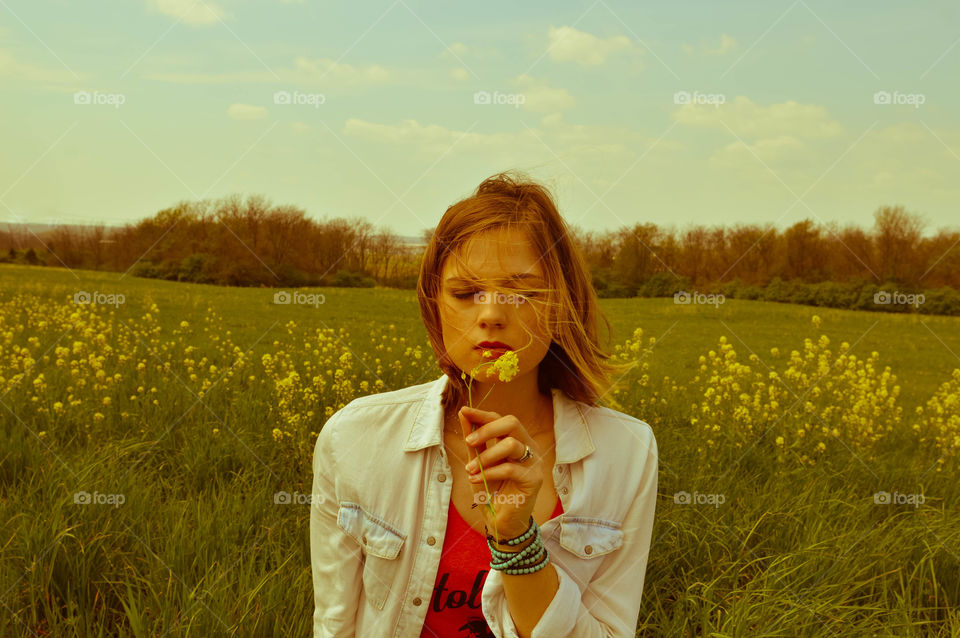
{"x":507,"y":365}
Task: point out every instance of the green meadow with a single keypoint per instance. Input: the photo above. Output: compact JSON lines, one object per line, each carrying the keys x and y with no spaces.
{"x":145,"y":440}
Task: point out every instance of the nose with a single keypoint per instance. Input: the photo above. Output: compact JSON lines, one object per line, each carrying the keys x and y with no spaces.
{"x":491,"y":312}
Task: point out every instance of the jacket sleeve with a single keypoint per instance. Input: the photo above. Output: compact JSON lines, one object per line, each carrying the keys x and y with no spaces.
{"x":335,"y":558}
{"x":609,"y":604}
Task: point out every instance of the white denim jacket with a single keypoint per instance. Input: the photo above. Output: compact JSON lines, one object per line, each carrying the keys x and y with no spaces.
{"x":378,"y":514}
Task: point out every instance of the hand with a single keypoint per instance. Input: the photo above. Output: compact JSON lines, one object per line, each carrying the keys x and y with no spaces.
{"x":500,"y":439}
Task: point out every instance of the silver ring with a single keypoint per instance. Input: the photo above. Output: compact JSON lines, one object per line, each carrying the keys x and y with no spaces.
{"x":527,"y":454}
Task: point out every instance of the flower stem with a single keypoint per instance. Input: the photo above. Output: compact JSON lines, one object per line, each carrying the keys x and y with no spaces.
{"x":486,"y":487}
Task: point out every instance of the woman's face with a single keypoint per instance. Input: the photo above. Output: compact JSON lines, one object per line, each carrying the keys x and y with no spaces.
{"x":506,"y":305}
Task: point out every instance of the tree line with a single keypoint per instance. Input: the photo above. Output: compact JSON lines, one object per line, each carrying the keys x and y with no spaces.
{"x":251,"y":242}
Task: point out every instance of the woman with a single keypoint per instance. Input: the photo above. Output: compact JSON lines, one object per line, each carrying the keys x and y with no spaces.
{"x":541,"y":525}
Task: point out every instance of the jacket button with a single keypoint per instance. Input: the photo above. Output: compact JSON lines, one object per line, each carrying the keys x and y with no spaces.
{"x":588,"y":549}
{"x":563,"y":490}
{"x":431,"y":540}
{"x":442,"y":478}
{"x":417,"y":601}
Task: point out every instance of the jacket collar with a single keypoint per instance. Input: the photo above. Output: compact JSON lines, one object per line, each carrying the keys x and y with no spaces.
{"x":573,"y":440}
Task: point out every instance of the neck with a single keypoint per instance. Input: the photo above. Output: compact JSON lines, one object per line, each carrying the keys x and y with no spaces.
{"x":520,"y":397}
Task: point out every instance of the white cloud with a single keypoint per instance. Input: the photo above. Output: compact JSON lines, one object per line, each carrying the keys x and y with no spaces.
{"x":347,"y":73}
{"x":192,"y":12}
{"x":567,"y":44}
{"x":769,"y":150}
{"x":10,"y":67}
{"x":750,"y":120}
{"x":434,"y":139}
{"x":541,"y":98}
{"x":307,"y":71}
{"x":246,"y":112}
{"x":727,"y":44}
{"x":459,"y":74}
{"x":456,"y":49}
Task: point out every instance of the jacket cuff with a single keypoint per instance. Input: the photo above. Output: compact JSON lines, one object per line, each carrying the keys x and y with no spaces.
{"x":558,"y":618}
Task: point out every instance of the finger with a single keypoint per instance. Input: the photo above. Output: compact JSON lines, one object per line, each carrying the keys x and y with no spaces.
{"x":505,"y":449}
{"x":503,"y":472}
{"x":505,"y":426}
{"x":470,"y":418}
{"x":466,"y":428}
{"x":477,"y":416}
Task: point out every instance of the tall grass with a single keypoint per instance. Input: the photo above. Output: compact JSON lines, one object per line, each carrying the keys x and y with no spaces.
{"x":196,"y":523}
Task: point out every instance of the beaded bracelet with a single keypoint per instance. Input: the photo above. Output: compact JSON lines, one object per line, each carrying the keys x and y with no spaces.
{"x":517,"y":540}
{"x":522,"y":562}
{"x":528,"y":556}
{"x":530,"y":559}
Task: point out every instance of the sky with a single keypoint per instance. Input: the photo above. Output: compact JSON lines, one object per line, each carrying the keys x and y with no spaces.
{"x":672,"y":113}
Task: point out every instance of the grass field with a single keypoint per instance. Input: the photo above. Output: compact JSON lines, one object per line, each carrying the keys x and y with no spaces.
{"x":144,"y":444}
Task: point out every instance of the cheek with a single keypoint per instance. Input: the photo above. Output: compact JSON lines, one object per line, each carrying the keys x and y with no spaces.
{"x":453,"y":324}
{"x":536,"y":322}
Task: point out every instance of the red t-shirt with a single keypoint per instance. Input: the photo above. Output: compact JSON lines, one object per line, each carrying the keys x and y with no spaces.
{"x":454,"y":610}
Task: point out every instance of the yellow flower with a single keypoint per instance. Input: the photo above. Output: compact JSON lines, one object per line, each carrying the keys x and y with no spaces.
{"x":507,"y":365}
{"x":216,"y":430}
{"x":816,"y":321}
{"x":780,"y":441}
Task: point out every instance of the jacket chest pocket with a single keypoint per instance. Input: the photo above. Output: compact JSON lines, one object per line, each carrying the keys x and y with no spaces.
{"x":587,"y":537}
{"x":381,"y":545}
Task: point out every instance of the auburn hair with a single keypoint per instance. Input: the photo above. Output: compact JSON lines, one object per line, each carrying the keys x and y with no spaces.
{"x":574,"y":362}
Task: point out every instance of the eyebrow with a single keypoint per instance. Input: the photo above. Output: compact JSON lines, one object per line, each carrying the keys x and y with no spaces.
{"x":514,"y":276}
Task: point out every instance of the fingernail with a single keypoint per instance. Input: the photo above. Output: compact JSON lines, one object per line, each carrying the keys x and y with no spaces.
{"x":471,"y":466}
{"x":472,"y":438}
{"x":473,"y":477}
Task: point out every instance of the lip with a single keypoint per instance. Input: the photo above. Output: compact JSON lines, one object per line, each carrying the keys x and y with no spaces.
{"x":492,"y":345}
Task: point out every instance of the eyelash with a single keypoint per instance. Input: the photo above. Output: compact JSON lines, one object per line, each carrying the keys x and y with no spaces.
{"x":464,"y":295}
